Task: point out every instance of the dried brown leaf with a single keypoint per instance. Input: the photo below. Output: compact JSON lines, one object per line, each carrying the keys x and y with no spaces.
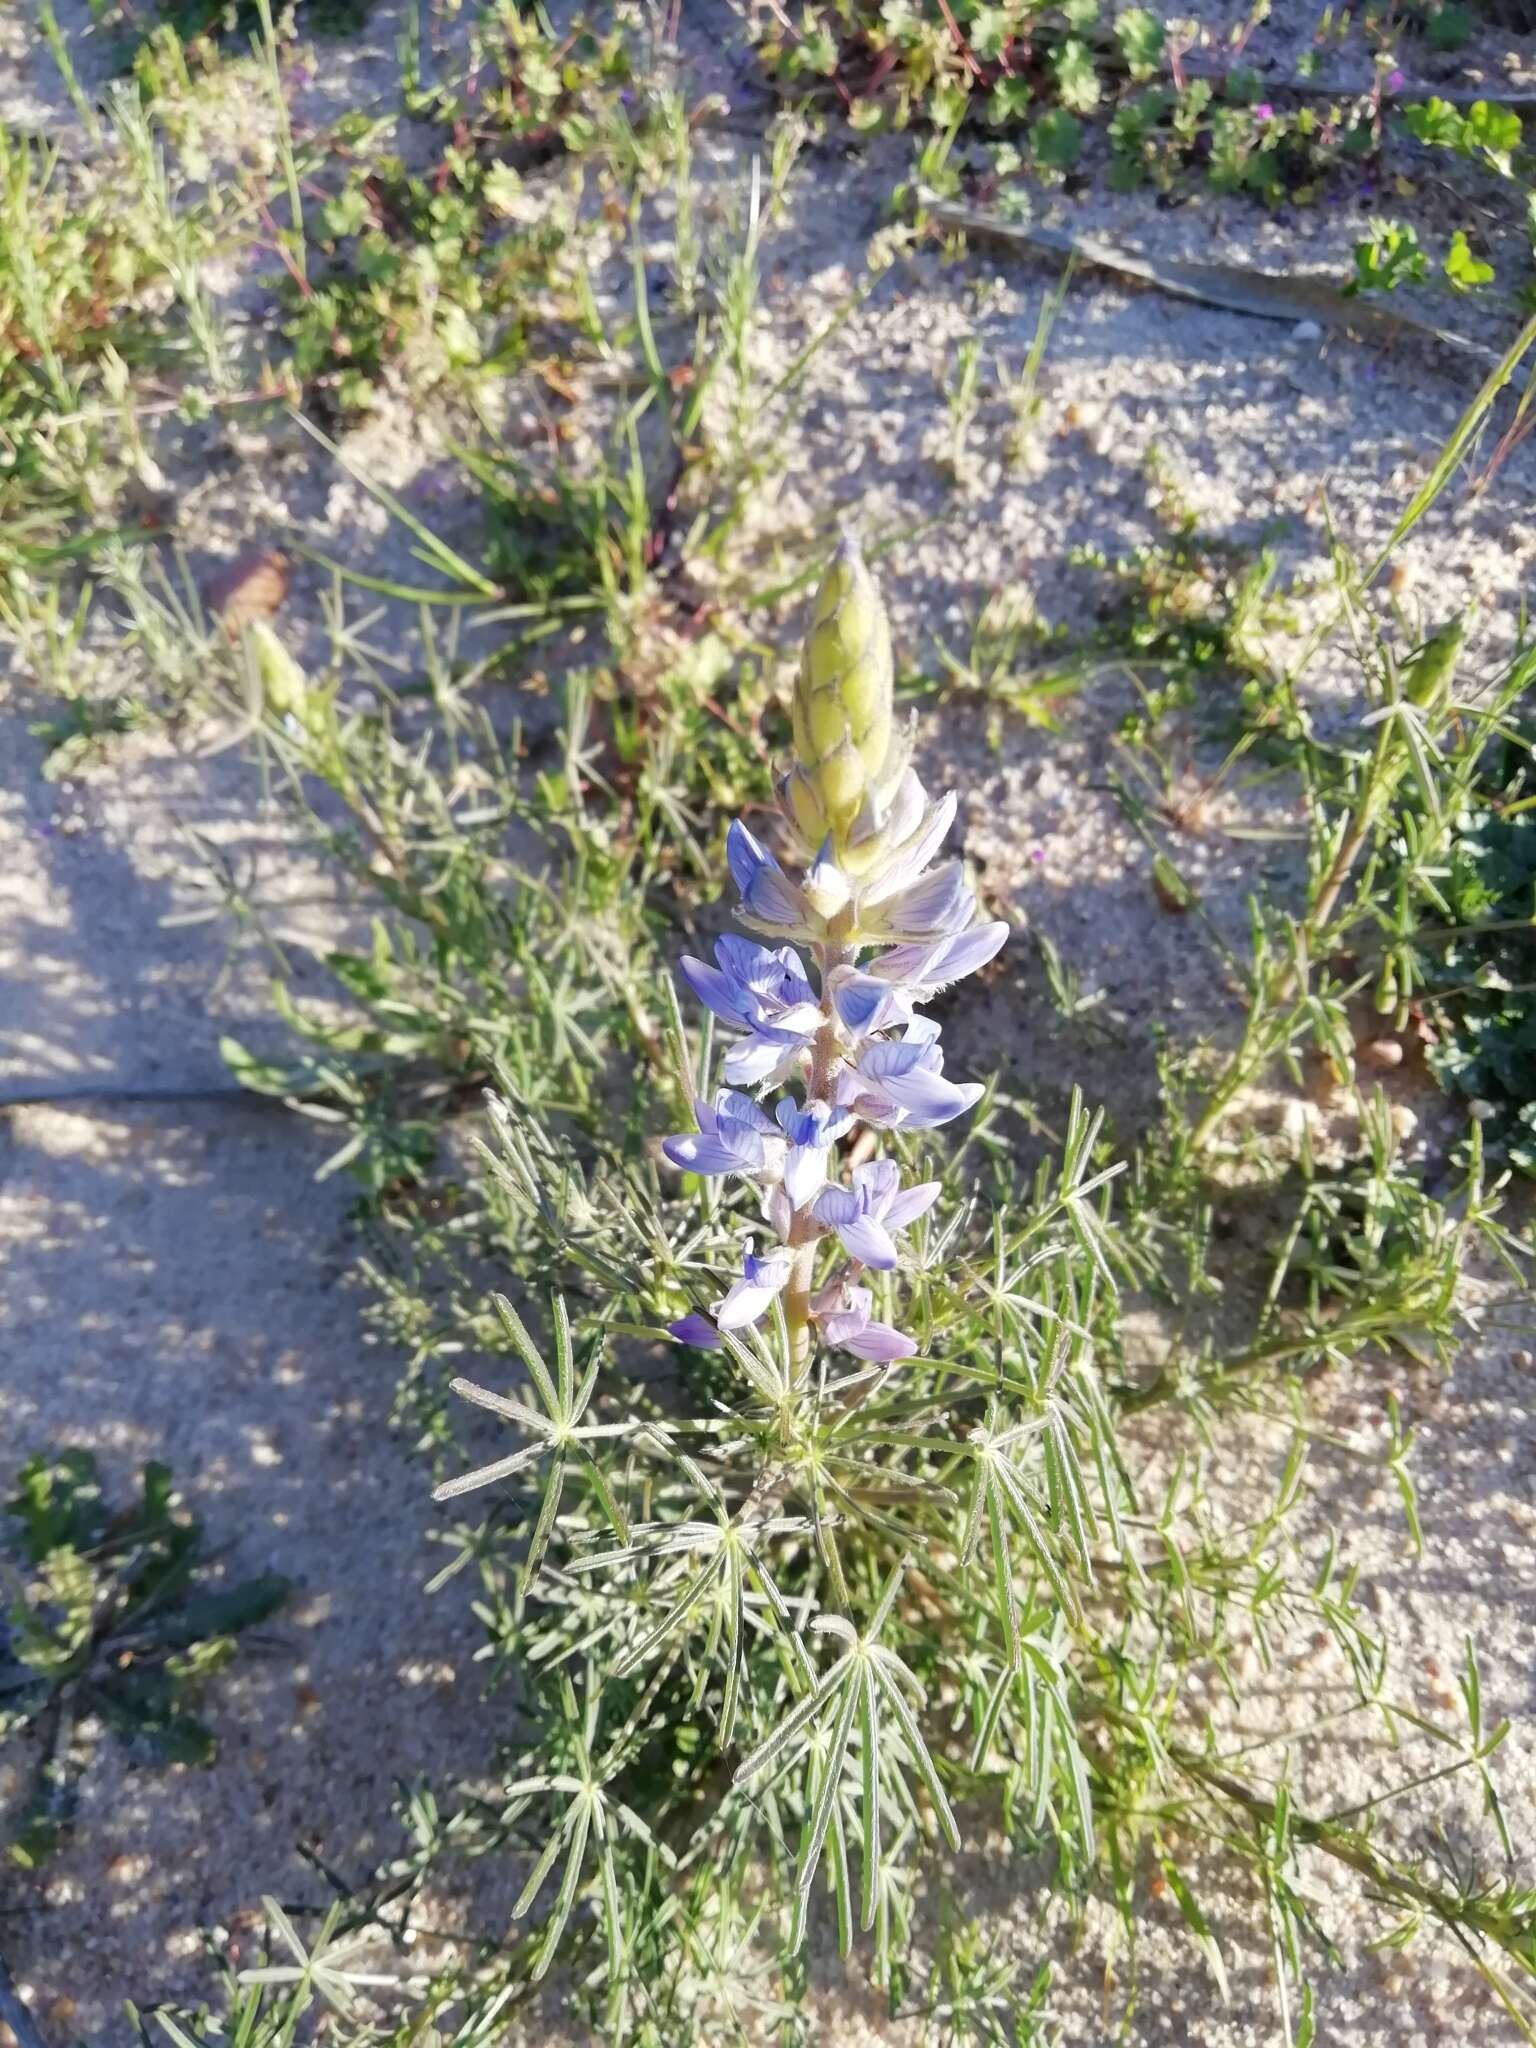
{"x":252,"y":586}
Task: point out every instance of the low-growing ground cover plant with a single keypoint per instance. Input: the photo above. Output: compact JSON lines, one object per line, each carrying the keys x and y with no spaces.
{"x":1465,"y":968}
{"x":1018,"y":97}
{"x":73,"y":271}
{"x":452,"y":264}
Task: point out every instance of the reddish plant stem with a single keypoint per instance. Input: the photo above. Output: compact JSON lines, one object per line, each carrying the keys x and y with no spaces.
{"x":961,"y":44}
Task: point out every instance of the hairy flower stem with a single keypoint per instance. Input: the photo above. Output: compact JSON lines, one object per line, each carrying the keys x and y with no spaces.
{"x":803,"y":1230}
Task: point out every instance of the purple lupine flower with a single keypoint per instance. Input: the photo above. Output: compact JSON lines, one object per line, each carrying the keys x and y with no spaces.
{"x":915,"y":830}
{"x":865,"y":1004}
{"x":826,"y":888}
{"x":734,"y":1136}
{"x":893,"y":818}
{"x":809,"y":1130}
{"x":866,"y":1215}
{"x":921,"y":971}
{"x":696,"y":1330}
{"x":846,"y":1322}
{"x":873,"y":998}
{"x":898,"y":899}
{"x":874,"y":880}
{"x":763,"y":991}
{"x":768,"y":896}
{"x":936,"y":905}
{"x":762,"y":1279}
{"x":900,"y":1082}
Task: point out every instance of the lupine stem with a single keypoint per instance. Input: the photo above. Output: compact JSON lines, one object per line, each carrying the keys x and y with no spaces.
{"x":1491,"y":1916}
{"x":803,"y":1230}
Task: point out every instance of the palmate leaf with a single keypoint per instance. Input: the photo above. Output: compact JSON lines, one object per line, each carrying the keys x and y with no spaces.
{"x":328,"y":1963}
{"x":558,"y":1432}
{"x":1003,"y":1498}
{"x":867,"y":1684}
{"x":713,"y":1568}
{"x":593,"y":1814}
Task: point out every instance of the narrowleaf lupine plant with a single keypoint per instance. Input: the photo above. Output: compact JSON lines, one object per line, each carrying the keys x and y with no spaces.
{"x":893,"y":1548}
{"x":849,"y":1585}
{"x":886,"y":929}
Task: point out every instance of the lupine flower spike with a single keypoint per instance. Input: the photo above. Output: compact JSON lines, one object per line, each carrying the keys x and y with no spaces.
{"x":886,"y":928}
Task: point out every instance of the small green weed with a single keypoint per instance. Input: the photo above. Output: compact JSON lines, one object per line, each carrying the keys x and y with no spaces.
{"x":448,"y":269}
{"x":72,"y":325}
{"x":110,"y":1617}
{"x":1464,"y":961}
{"x":1052,"y":93}
{"x":417,"y":266}
{"x":201,"y":26}
{"x":1038,"y":80}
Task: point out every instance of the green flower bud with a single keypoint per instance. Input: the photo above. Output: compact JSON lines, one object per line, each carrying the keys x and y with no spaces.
{"x":1427,"y":680}
{"x":1386,"y":996}
{"x":843,"y":707}
{"x":799,"y":798}
{"x":284,"y":685}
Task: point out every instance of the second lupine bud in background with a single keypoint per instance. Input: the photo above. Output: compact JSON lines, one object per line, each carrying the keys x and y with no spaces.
{"x":284,"y":685}
{"x":846,"y":748}
{"x":1427,"y":679}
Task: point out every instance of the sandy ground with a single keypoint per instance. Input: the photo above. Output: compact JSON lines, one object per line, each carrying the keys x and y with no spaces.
{"x":177,"y":1283}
